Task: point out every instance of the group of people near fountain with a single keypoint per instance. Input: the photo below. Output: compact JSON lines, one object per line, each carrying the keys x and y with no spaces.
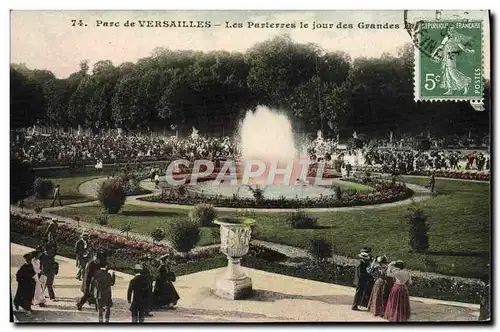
{"x":407,"y":161}
{"x":382,"y":287}
{"x":151,"y":288}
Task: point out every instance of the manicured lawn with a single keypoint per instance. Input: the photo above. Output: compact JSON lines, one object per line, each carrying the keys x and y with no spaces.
{"x":459,"y":236}
{"x":143,"y":220}
{"x":69,"y":192}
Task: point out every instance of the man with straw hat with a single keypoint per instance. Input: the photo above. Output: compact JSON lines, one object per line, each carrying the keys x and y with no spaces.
{"x":81,"y":249}
{"x":138,"y":295}
{"x":361,"y":279}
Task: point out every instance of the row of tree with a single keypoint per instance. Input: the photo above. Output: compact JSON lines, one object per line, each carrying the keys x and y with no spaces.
{"x":212,"y":91}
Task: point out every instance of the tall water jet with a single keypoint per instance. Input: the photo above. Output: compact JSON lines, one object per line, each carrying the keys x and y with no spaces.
{"x":266,"y":135}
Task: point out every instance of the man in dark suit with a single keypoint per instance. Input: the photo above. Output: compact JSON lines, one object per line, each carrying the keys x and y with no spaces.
{"x":147,"y":273}
{"x":361,"y":279}
{"x":137,"y":295}
{"x":81,"y":248}
{"x":103,"y":281}
{"x":57,"y":195}
{"x":49,"y":268}
{"x":50,"y":232}
{"x":87,"y":284}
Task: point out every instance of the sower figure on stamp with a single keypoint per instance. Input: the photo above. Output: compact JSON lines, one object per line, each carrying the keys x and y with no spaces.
{"x":138,"y":295}
{"x":361,"y":280}
{"x":103,"y":280}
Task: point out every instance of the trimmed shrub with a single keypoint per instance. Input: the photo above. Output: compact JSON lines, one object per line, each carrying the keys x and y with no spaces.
{"x":184,"y":234}
{"x":320,"y":249}
{"x":203,"y":214}
{"x":21,"y":179}
{"x":302,"y":220}
{"x":126,"y":228}
{"x":42,"y":188}
{"x":112,"y":195}
{"x":419,"y":240}
{"x":158,"y":235}
{"x":102,"y":219}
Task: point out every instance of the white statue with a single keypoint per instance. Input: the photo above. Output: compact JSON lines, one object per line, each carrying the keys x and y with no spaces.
{"x":194,"y":133}
{"x":319,"y":135}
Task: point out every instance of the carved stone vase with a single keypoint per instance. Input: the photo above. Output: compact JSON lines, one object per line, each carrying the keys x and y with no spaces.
{"x":235,"y":236}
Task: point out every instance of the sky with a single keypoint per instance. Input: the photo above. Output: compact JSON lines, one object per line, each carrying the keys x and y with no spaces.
{"x":47,"y":39}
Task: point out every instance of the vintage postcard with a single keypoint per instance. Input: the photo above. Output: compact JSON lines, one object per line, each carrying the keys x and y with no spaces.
{"x":250,"y":166}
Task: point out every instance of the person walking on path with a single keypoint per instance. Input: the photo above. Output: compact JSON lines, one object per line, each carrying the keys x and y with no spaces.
{"x":51,"y":230}
{"x":87,"y":283}
{"x":165,"y":293}
{"x":361,"y":280}
{"x":138,"y":295}
{"x":378,"y":270}
{"x":103,"y":281}
{"x":432,"y":181}
{"x":81,"y":251}
{"x":398,"y":304}
{"x":39,"y":298}
{"x":25,"y":285}
{"x":57,"y":196}
{"x":50,"y":268}
{"x":148,"y":274}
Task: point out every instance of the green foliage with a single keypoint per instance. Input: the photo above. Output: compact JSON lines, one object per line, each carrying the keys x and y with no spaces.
{"x":302,"y":220}
{"x":112,"y":195}
{"x":126,"y":228}
{"x":102,"y":219}
{"x":184,"y":234}
{"x":42,"y":188}
{"x":203,"y":214}
{"x":21,"y":179}
{"x":418,"y":228}
{"x":320,"y":249}
{"x":158,"y":235}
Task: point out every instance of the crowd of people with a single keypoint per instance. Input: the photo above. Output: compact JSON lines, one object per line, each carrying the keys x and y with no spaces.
{"x":65,"y":149}
{"x":407,"y":161}
{"x":382,"y":287}
{"x":150,"y":289}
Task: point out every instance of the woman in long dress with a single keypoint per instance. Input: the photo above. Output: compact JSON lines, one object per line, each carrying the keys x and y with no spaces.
{"x":452,"y":45}
{"x":398,"y":304}
{"x":39,"y":298}
{"x":378,"y":269}
{"x":25,"y":285}
{"x":164,"y":292}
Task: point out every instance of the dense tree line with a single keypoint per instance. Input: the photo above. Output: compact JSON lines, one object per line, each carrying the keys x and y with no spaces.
{"x":212,"y":91}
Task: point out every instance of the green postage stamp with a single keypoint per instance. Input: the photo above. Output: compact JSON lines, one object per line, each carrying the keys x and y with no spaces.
{"x":449,"y":61}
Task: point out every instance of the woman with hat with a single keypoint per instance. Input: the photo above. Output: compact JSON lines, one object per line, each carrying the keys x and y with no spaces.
{"x":361,"y":280}
{"x":25,"y":285}
{"x":39,"y":298}
{"x":164,"y":292}
{"x":398,"y":304}
{"x":378,"y":270}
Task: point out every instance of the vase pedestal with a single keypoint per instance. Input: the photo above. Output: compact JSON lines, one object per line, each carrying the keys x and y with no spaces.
{"x":234,"y":284}
{"x":233,"y":289}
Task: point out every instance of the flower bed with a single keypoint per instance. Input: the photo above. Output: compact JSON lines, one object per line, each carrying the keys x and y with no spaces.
{"x":450,"y":174}
{"x":383,"y":193}
{"x":445,"y":288}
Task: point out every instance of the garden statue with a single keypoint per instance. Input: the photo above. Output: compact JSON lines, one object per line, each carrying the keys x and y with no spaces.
{"x":235,"y":233}
{"x":194,"y":133}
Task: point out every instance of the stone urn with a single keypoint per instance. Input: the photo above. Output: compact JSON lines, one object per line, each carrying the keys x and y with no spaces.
{"x":235,"y":235}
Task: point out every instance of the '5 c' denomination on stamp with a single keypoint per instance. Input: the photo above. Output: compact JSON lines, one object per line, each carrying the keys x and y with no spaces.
{"x":449,"y":60}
